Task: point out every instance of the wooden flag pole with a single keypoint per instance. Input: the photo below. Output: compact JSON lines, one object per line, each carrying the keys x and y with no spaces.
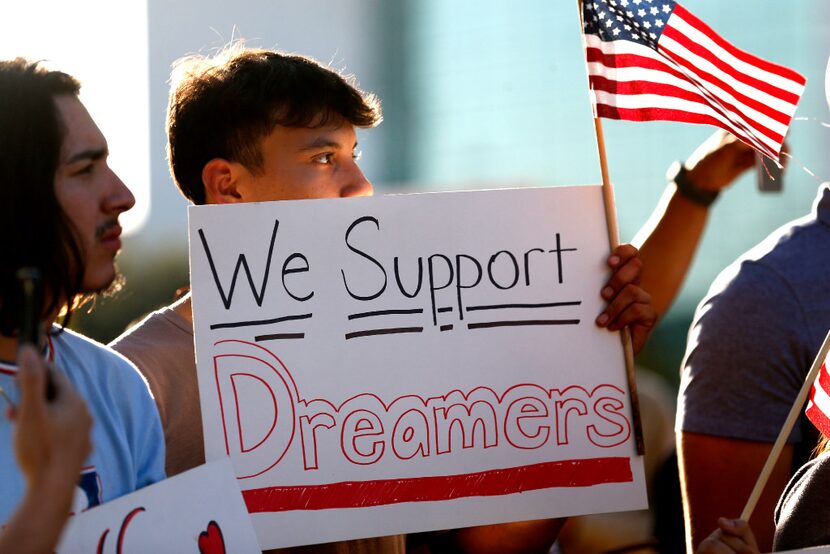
{"x":795,"y":411}
{"x":614,"y":241}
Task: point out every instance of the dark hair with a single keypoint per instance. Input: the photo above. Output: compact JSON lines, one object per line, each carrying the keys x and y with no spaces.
{"x":222,"y":107}
{"x":34,"y":229}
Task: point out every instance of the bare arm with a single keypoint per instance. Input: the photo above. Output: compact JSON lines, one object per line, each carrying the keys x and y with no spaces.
{"x":51,"y":442}
{"x":669,"y":239}
{"x":717,"y":475}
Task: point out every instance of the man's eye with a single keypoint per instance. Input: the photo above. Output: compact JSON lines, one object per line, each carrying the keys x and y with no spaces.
{"x":85,"y":170}
{"x":325,"y":158}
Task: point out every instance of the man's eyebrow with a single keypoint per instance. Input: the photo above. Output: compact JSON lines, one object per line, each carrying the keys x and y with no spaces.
{"x":89,"y":154}
{"x":323,"y":142}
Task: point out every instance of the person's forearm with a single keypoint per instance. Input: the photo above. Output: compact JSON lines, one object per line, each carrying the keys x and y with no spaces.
{"x":667,"y":243}
{"x":38,"y":521}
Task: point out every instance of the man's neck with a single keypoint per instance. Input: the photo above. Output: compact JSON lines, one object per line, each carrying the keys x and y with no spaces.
{"x":183,"y":307}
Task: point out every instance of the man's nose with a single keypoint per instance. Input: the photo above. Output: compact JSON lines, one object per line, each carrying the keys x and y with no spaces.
{"x":357,"y":184}
{"x":119,"y":198}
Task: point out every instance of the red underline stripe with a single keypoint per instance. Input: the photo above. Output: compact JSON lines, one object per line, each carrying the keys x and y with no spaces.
{"x":498,"y":482}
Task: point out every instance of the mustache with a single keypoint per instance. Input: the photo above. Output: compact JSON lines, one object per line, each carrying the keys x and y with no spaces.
{"x":104,"y":227}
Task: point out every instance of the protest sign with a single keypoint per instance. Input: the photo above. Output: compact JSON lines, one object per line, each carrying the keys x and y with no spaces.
{"x":199,"y":511}
{"x":404,"y":363}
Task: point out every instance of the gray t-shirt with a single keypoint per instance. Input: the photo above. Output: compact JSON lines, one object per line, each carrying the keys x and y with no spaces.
{"x":756,"y":333}
{"x":802,"y":517}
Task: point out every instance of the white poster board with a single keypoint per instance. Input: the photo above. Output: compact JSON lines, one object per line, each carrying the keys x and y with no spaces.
{"x":405,"y":363}
{"x":199,"y":512}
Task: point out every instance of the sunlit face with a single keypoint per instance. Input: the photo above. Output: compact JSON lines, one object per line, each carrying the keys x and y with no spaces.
{"x":304,"y":163}
{"x":90,"y":194}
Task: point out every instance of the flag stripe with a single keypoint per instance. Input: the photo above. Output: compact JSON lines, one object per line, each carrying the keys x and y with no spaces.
{"x":773,"y":132}
{"x":819,"y":405}
{"x":660,"y":71}
{"x":672,"y":35}
{"x":626,"y":66}
{"x":669,"y":114}
{"x":665,"y":97}
{"x":699,"y":61}
{"x":790,"y":80}
{"x":651,"y":59}
{"x":824,"y":378}
{"x":720,"y":96}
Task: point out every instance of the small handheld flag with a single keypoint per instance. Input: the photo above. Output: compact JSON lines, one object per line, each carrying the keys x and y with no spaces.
{"x":818,"y":367}
{"x":654,"y":60}
{"x":818,"y":407}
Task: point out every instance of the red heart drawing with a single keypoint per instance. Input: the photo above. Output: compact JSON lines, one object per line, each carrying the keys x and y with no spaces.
{"x":211,"y":540}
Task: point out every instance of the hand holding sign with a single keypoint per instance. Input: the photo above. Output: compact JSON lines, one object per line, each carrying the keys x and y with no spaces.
{"x":51,"y":438}
{"x":628,"y":304}
{"x":51,"y":442}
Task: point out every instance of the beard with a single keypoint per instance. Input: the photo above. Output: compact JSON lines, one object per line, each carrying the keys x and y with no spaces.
{"x":115,"y":285}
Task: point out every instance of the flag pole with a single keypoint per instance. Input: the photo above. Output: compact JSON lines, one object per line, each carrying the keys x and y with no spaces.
{"x":614,"y":241}
{"x":795,"y":411}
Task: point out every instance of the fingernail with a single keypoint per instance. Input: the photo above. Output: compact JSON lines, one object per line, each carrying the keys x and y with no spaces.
{"x":602,"y":319}
{"x":614,"y":260}
{"x":607,"y":292}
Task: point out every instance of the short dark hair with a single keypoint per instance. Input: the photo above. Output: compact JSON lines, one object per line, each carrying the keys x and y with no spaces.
{"x":34,"y":229}
{"x":222,"y":107}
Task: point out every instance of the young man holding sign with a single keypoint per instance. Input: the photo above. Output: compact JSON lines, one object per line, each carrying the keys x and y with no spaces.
{"x":255,"y":125}
{"x":60,"y":216}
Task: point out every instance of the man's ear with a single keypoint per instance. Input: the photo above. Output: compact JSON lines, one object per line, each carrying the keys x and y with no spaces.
{"x":220,"y":179}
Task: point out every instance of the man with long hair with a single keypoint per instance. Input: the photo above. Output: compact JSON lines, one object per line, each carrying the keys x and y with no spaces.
{"x":60,"y":216}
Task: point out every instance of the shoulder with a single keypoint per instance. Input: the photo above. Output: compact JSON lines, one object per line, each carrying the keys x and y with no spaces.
{"x":753,"y":337}
{"x":82,"y":356}
{"x":161,"y":340}
{"x":161,"y":325}
{"x":802,"y":517}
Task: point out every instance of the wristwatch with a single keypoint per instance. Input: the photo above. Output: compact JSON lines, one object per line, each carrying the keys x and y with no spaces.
{"x":678,"y":174}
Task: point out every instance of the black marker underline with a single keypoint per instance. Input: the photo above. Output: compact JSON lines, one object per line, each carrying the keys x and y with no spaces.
{"x":385,"y":312}
{"x":521,"y":323}
{"x":508,"y":306}
{"x":279,"y":336}
{"x":234,"y":324}
{"x":389,"y":331}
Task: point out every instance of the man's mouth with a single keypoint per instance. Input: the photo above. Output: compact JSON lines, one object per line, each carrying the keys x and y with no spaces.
{"x":109,"y":234}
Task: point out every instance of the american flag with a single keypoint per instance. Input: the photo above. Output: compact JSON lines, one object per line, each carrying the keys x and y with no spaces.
{"x":818,"y":407}
{"x":653,"y":60}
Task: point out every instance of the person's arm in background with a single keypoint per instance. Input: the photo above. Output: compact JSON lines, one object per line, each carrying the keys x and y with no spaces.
{"x":669,"y":239}
{"x":717,"y":475}
{"x":51,"y":441}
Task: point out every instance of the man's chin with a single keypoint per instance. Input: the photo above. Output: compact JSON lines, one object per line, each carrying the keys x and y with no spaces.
{"x":106,"y":286}
{"x":115,"y":286}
